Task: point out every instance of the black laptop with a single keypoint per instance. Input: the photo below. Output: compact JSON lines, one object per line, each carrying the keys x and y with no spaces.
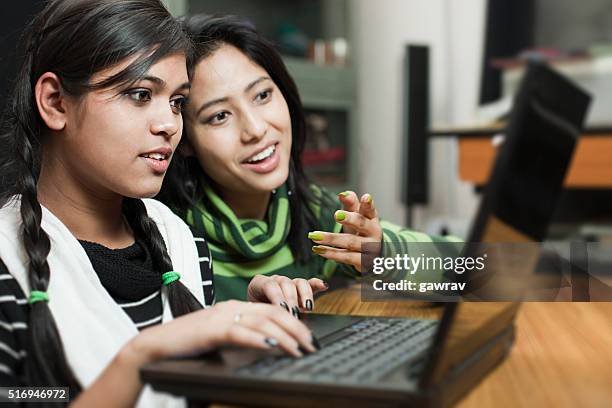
{"x":385,"y":362}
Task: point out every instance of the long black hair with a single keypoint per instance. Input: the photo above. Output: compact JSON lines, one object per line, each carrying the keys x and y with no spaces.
{"x":182,"y":187}
{"x":75,"y":40}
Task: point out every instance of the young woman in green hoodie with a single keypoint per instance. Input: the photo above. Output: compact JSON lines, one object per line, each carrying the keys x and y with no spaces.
{"x":238,"y":179}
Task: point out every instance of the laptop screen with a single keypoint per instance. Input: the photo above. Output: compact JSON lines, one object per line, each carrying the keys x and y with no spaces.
{"x":527,"y":178}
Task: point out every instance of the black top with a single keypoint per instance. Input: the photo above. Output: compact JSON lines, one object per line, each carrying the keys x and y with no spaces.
{"x":129,"y":276}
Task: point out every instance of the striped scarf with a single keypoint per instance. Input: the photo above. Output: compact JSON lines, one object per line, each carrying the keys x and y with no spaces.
{"x":243,"y":248}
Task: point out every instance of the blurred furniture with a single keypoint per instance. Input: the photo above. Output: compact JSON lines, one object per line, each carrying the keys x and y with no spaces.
{"x":591,"y":166}
{"x":415,"y":155}
{"x":585,"y":208}
{"x":329,"y":91}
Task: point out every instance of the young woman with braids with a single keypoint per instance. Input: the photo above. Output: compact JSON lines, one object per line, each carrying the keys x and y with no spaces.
{"x":88,"y":268}
{"x":239,"y":181}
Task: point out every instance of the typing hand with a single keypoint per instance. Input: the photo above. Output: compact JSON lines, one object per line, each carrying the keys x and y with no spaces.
{"x":243,"y":324}
{"x":292,"y":294}
{"x":360,"y":225}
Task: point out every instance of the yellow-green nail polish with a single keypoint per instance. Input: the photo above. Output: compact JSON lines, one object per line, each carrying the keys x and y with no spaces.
{"x":315,"y":236}
{"x":370,"y":199}
{"x":340,"y":216}
{"x":318,"y":250}
{"x":345,"y":194}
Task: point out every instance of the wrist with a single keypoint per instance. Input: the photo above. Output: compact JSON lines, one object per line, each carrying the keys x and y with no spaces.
{"x":138,"y":351}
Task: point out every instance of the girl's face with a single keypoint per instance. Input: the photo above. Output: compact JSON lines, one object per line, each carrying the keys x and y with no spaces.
{"x":239,"y":128}
{"x":120,"y":141}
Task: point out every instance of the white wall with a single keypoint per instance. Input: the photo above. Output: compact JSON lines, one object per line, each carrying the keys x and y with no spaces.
{"x":380,"y":30}
{"x":465,"y":49}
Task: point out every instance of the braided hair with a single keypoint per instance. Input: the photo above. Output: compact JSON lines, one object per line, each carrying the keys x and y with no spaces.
{"x":75,"y":40}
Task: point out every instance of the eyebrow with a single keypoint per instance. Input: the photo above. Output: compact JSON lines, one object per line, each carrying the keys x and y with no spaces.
{"x":162,"y":84}
{"x":250,"y":86}
{"x":255,"y":82}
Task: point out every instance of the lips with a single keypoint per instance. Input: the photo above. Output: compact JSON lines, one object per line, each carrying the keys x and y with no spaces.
{"x":158,"y":160}
{"x":264,"y":160}
{"x":261,"y":154}
{"x":264,"y":154}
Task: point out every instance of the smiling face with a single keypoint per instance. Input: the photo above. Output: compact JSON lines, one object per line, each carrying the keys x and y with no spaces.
{"x":120,"y":141}
{"x":239,"y":124}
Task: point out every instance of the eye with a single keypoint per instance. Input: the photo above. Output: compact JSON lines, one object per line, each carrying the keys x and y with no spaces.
{"x":218,"y":118}
{"x":139,"y":95}
{"x":263,"y":95}
{"x":178,"y":104}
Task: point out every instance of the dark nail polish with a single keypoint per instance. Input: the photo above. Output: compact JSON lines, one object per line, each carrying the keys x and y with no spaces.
{"x":284,"y":304}
{"x":270,"y":341}
{"x":326,"y":284}
{"x":308,"y":304}
{"x":316,"y":343}
{"x":303,"y":350}
{"x":296,"y":312}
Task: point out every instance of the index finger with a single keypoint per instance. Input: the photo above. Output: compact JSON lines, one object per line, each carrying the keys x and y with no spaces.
{"x":274,"y":294}
{"x":349,"y":200}
{"x":294,"y":327}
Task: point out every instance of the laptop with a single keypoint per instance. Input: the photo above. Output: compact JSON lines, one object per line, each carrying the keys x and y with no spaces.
{"x":383,"y":362}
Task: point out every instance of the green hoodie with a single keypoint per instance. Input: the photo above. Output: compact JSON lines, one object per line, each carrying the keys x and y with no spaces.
{"x":243,"y":248}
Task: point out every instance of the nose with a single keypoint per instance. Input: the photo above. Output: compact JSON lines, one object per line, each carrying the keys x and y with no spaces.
{"x":254,"y":126}
{"x":165,"y":123}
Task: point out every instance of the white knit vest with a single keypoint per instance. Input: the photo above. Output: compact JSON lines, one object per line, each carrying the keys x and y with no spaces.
{"x":93,"y":328}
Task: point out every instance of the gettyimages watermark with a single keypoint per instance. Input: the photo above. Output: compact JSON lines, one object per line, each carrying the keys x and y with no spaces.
{"x":444,"y":272}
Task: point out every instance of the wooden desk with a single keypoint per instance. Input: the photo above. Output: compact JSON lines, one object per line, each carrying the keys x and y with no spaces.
{"x":562,"y":356}
{"x":591,"y":165}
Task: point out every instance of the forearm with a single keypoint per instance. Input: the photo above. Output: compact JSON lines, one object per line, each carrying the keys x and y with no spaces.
{"x":396,"y":233}
{"x":119,"y":384}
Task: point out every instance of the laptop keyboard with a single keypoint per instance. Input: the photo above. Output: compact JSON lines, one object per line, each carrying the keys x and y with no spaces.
{"x":364,"y":352}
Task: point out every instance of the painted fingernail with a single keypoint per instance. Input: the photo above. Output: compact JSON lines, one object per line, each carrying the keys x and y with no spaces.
{"x":318,"y":250}
{"x":315,"y":236}
{"x":326,"y":284}
{"x":345,"y":194}
{"x":271,"y":341}
{"x":370,"y":199}
{"x":340,"y":216}
{"x":284,"y":304}
{"x":301,"y":350}
{"x":308,"y":304}
{"x":315,"y":342}
{"x":295,"y":312}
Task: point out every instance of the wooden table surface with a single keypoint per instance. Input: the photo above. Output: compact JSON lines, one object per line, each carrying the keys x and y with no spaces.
{"x":562,"y":356}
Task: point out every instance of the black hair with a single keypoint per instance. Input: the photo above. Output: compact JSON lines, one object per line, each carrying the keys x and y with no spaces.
{"x":75,"y":40}
{"x":182,"y":187}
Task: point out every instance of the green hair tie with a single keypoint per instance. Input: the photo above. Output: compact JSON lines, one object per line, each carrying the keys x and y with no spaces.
{"x":37,"y":296}
{"x":169,"y":277}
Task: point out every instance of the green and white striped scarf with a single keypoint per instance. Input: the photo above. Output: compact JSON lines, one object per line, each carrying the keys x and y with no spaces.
{"x":243,"y":248}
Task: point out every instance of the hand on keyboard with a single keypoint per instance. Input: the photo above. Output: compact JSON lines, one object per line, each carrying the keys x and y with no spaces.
{"x":294,"y":295}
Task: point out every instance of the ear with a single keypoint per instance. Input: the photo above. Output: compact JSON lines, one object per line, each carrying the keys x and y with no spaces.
{"x":51,"y":101}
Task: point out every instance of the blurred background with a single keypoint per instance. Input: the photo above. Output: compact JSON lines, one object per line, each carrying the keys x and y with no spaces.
{"x":404,"y":97}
